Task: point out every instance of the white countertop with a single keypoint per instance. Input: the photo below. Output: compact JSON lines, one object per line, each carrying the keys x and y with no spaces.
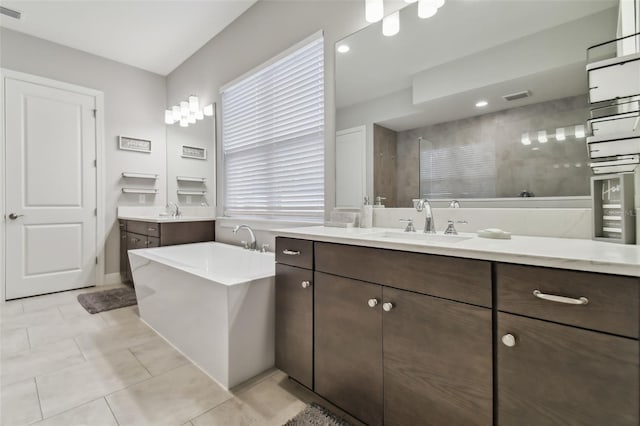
{"x":565,"y":253}
{"x":166,"y":219}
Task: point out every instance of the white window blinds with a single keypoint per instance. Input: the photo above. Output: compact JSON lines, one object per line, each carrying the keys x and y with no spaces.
{"x":273,"y":139}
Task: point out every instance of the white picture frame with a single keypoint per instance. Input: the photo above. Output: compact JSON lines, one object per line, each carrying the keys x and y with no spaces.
{"x":133,"y":144}
{"x":195,"y":152}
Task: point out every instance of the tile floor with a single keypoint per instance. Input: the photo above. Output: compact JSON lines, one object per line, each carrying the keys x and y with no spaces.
{"x":60,"y":365}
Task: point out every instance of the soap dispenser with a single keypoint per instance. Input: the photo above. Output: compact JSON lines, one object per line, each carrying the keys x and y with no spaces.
{"x":366,"y":215}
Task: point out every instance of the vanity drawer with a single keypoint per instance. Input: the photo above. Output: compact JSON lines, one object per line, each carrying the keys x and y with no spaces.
{"x":294,"y":252}
{"x":611,"y":301}
{"x":144,"y":228}
{"x":464,"y":280}
{"x":153,"y":242}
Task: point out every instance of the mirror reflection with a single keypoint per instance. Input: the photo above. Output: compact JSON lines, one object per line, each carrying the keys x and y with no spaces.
{"x":486,"y":99}
{"x":191,"y":178}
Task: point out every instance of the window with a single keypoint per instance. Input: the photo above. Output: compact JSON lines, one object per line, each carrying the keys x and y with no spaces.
{"x":273,"y":138}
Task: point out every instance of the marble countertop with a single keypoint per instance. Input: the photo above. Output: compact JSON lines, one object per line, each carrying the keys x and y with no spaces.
{"x":565,"y":253}
{"x":166,"y":219}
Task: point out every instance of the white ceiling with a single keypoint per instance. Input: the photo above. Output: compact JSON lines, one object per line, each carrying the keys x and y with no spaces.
{"x":156,"y":36}
{"x":377,"y":65}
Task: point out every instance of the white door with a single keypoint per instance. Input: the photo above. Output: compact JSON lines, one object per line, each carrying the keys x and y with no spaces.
{"x":350,"y":167}
{"x":50,"y":189}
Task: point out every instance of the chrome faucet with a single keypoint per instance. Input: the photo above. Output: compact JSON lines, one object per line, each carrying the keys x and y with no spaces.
{"x":454,"y":204}
{"x":429,"y":223}
{"x":251,"y":245}
{"x":451,"y":229}
{"x":174,"y":209}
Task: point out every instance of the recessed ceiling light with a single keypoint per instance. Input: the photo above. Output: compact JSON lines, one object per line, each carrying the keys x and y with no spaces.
{"x":343,"y":48}
{"x":482,"y":104}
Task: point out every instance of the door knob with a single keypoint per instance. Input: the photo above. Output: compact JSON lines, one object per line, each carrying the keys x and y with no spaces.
{"x":509,"y":340}
{"x":387,"y":306}
{"x":372,"y":303}
{"x":305,"y":284}
{"x":14,"y":216}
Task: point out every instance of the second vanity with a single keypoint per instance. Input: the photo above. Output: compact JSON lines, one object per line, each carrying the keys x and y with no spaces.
{"x":399,"y":331}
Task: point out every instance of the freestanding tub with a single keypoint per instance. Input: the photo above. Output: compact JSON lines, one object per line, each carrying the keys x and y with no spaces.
{"x":214,"y":302}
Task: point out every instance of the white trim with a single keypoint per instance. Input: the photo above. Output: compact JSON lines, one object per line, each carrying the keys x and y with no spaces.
{"x":307,"y":40}
{"x":100,"y":166}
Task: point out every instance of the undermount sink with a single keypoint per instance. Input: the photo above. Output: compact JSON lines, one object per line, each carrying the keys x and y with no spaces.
{"x":422,"y":237}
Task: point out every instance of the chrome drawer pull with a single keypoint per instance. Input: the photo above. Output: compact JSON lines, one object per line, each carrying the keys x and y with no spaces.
{"x":290,"y":252}
{"x":560,"y":299}
{"x":305,"y":284}
{"x":151,"y":229}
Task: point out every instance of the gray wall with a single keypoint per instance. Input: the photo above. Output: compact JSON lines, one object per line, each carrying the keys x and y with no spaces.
{"x":550,"y":169}
{"x":385,"y":179}
{"x":262,"y":32}
{"x":134,"y":106}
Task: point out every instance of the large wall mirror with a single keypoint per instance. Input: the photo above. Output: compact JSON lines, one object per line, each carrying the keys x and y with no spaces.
{"x":191,"y":163}
{"x":486,"y":100}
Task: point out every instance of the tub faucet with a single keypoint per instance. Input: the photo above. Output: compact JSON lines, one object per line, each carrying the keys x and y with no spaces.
{"x":174,"y":209}
{"x":252,"y":244}
{"x":429,"y":224}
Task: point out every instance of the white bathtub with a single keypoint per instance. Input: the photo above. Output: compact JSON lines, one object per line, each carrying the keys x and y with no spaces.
{"x":214,"y":302}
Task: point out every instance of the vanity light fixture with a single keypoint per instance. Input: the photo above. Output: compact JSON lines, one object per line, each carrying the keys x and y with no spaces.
{"x":481,"y":104}
{"x":542,"y":136}
{"x":579,"y":131}
{"x":526,"y":140}
{"x":187,"y":112}
{"x":560,"y":135}
{"x":343,"y":48}
{"x":391,"y":24}
{"x":373,"y":10}
{"x":427,"y":8}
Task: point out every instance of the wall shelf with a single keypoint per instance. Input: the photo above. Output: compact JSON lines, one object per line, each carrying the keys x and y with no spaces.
{"x":139,"y":190}
{"x":189,"y":192}
{"x":139,"y":175}
{"x":190,"y":179}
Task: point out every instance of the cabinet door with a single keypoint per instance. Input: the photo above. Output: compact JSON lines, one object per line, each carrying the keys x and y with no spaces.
{"x":294,"y":323}
{"x":437,"y":361}
{"x":348,"y":345}
{"x":553,"y":374}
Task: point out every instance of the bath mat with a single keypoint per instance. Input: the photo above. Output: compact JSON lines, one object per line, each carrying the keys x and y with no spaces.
{"x":316,"y":415}
{"x":107,"y":300}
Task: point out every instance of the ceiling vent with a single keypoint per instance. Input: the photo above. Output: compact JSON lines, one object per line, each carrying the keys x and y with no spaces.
{"x":517,"y":95}
{"x":9,"y":12}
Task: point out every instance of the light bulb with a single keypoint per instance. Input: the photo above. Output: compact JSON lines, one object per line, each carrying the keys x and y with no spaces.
{"x":542,"y":136}
{"x":199,"y":115}
{"x":191,"y":119}
{"x":343,"y":48}
{"x":525,"y":139}
{"x":208,"y":110}
{"x":426,"y":9}
{"x":373,"y":10}
{"x":194,"y":104}
{"x":579,"y":131}
{"x":184,"y":122}
{"x":391,"y":24}
{"x":481,"y":104}
{"x":168,"y":117}
{"x":176,"y":113}
{"x":184,"y":108}
{"x":560,"y":136}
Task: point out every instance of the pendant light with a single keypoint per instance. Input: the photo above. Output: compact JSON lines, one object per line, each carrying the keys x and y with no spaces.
{"x":427,"y":8}
{"x":391,"y":24}
{"x":373,"y":10}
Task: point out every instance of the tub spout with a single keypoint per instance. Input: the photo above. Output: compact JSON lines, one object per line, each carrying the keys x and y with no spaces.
{"x":252,"y":244}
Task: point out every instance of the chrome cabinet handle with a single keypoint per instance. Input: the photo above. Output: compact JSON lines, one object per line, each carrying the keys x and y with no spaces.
{"x":290,"y":252}
{"x":135,"y":240}
{"x":372,"y":303}
{"x":305,"y":284}
{"x":509,"y":340}
{"x":151,"y":229}
{"x":14,"y":216}
{"x":387,"y":306}
{"x":560,"y":299}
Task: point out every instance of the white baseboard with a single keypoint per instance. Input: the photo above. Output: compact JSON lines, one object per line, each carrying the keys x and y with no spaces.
{"x":113,"y":278}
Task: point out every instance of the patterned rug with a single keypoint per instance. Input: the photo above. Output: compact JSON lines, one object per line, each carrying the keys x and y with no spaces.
{"x":316,"y":415}
{"x":107,"y":300}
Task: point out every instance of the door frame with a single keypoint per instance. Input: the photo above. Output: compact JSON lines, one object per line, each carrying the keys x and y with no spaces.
{"x":100,"y":167}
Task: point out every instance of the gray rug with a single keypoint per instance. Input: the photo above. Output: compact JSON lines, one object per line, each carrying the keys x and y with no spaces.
{"x":107,"y":300}
{"x":316,"y":415}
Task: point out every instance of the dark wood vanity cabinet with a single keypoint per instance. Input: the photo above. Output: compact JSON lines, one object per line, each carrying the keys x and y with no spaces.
{"x":294,"y":309}
{"x":135,"y":234}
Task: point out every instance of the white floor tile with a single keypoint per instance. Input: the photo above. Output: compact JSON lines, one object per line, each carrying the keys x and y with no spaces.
{"x":95,"y":413}
{"x":19,"y":403}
